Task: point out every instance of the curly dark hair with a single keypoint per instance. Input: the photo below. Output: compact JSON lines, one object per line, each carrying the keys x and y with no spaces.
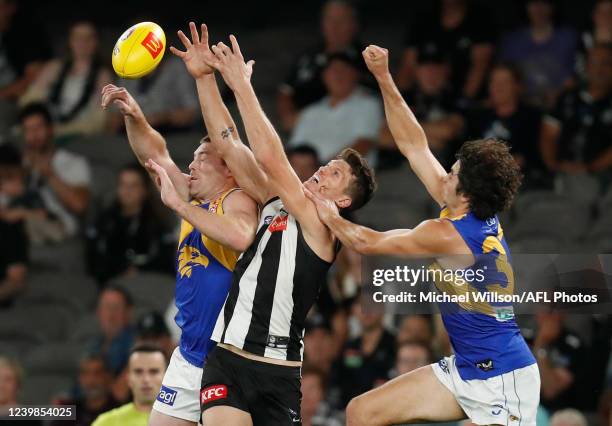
{"x":363,"y":186}
{"x":488,"y":176}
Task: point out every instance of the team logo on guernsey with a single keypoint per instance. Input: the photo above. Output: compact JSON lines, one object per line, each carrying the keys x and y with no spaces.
{"x":189,"y":258}
{"x":213,"y":393}
{"x":486,"y":365}
{"x":280,"y":222}
{"x":166,"y":396}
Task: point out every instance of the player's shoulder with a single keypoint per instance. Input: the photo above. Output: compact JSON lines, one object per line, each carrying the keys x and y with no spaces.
{"x":238,"y":199}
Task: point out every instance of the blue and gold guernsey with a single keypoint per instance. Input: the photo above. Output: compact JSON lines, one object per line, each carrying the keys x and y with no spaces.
{"x":204,"y":271}
{"x":483,"y":333}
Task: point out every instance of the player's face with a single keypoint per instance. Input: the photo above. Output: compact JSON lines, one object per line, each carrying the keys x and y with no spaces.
{"x":145,"y":374}
{"x":8,"y":385}
{"x":37,"y":134}
{"x":449,"y":185}
{"x":331,"y":181}
{"x":206,"y":172}
{"x":338,"y":25}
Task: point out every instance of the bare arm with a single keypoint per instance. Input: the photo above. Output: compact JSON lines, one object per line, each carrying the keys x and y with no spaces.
{"x":145,"y":141}
{"x":405,"y":129}
{"x":265,"y":142}
{"x":221,"y":127}
{"x":429,"y":238}
{"x":235,"y":229}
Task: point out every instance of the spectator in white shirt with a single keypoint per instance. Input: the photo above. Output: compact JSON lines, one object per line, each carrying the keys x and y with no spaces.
{"x":347,"y":117}
{"x":60,"y":177}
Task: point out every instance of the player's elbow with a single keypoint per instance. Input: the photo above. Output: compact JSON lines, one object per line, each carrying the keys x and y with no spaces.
{"x":240,"y":242}
{"x":358,"y":412}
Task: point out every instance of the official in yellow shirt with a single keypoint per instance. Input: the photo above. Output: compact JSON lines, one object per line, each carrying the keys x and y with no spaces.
{"x":146,"y":367}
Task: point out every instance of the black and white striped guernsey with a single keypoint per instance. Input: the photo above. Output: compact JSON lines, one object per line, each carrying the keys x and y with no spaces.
{"x":275,"y":283}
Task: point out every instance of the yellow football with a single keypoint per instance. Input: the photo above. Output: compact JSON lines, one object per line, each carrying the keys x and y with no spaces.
{"x":139,"y":50}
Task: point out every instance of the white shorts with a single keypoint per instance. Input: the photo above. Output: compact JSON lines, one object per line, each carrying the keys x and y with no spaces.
{"x":510,"y":399}
{"x":179,"y":395}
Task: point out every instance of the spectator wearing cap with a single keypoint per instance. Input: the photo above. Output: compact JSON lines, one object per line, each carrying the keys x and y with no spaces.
{"x":151,"y":329}
{"x":347,"y":117}
{"x":304,"y":160}
{"x":434,"y":104}
{"x":461,"y":30}
{"x":304,"y":84}
{"x":544,"y":53}
{"x":510,"y":119}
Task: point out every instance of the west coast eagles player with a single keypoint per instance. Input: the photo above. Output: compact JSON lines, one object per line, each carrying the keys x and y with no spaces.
{"x":218,"y":223}
{"x":492,"y":378}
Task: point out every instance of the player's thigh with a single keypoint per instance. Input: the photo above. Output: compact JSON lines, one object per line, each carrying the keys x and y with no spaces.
{"x":225,"y":415}
{"x":415,"y":396}
{"x":161,"y":419}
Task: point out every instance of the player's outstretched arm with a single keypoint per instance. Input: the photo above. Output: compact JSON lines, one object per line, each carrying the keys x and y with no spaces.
{"x":146,"y":142}
{"x":234,"y":229}
{"x":429,"y":238}
{"x":265,"y":142}
{"x":405,"y":129}
{"x":222,"y":130}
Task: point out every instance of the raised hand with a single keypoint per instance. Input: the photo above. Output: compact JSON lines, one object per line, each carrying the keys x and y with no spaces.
{"x":120,"y":97}
{"x":377,"y":60}
{"x":197,"y":57}
{"x":230,"y":63}
{"x":327,"y":209}
{"x":169,"y":195}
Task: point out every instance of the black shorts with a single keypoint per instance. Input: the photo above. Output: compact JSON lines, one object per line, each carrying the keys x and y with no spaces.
{"x":270,"y":393}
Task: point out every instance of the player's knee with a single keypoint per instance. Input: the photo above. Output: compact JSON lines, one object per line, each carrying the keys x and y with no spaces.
{"x":357,"y":412}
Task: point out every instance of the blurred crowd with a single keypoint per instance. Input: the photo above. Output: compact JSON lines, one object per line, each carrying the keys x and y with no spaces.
{"x":545,"y":87}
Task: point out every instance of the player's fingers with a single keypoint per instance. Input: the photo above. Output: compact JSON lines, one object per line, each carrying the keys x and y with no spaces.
{"x":235,"y":45}
{"x":123,"y":107}
{"x":184,"y":39}
{"x":204,"y":31}
{"x":177,"y":52}
{"x":195,"y":37}
{"x":224,"y":48}
{"x":221,"y":58}
{"x":250,"y":65}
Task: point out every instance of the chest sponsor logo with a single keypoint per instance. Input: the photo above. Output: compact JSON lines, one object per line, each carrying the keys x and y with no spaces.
{"x":166,"y":396}
{"x":279,"y":223}
{"x":213,"y":393}
{"x":153,"y":44}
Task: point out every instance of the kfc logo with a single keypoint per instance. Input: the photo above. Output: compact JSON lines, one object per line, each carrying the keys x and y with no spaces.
{"x":279,"y":224}
{"x":213,"y":393}
{"x":153,"y":44}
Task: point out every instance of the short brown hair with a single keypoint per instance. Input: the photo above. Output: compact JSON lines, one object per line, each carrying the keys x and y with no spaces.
{"x":488,"y":176}
{"x":363,"y":185}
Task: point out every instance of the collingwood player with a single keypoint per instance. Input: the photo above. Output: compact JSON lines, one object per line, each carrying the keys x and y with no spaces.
{"x":492,"y":378}
{"x":218,"y":223}
{"x":252,"y":377}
